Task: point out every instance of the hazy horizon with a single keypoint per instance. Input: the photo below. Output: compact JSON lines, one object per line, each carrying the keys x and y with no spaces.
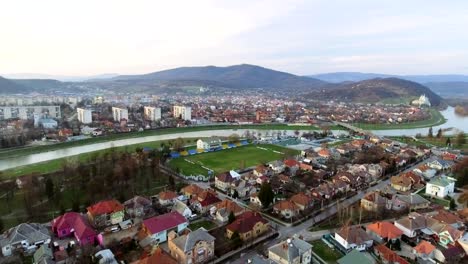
{"x":87,"y":38}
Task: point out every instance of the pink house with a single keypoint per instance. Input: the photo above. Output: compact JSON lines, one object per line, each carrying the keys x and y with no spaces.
{"x":74,"y":224}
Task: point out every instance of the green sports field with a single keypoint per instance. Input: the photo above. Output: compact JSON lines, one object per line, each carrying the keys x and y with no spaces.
{"x":230,"y":159}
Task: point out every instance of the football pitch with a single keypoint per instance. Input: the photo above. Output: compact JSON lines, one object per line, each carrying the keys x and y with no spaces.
{"x":230,"y":159}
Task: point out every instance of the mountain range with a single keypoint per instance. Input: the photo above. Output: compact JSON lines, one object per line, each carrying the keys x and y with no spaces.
{"x":244,"y":76}
{"x":346,"y":86}
{"x":377,"y":90}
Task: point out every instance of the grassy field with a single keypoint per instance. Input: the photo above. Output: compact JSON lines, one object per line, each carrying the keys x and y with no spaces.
{"x":436,"y":119}
{"x":434,"y":141}
{"x":229,"y":159}
{"x":8,"y":153}
{"x":204,"y":223}
{"x":325,"y":252}
{"x":55,"y":165}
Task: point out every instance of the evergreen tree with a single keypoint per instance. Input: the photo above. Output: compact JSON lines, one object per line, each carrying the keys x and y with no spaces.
{"x":429,"y":134}
{"x":266,"y":195}
{"x":439,"y":133}
{"x":231,"y":218}
{"x":460,"y":139}
{"x":49,"y":188}
{"x":236,"y":240}
{"x":448,"y":143}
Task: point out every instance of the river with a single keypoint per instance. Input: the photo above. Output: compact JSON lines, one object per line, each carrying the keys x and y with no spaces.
{"x":453,"y":121}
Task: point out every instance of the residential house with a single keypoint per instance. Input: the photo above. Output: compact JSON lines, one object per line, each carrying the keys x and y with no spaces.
{"x":194,"y":247}
{"x":355,"y":181}
{"x":261,"y":170}
{"x":243,"y":187}
{"x":182,"y":208}
{"x":43,"y":255}
{"x":440,"y":165}
{"x":191,"y":190}
{"x":24,"y":236}
{"x":425,"y":171}
{"x":155,"y":229}
{"x":205,"y":202}
{"x":277,"y":166}
{"x":401,"y":183}
{"x":383,"y":231}
{"x":441,"y":186}
{"x":353,"y":237}
{"x":302,"y":201}
{"x":105,"y":213}
{"x":224,"y":209}
{"x":446,"y":217}
{"x":413,"y":201}
{"x":388,"y":256}
{"x":373,"y":202}
{"x":223,"y":181}
{"x":411,"y":224}
{"x":286,"y":209}
{"x":355,"y":256}
{"x":156,"y":256}
{"x":424,"y":250}
{"x":167,"y":198}
{"x":138,"y":207}
{"x":74,"y":224}
{"x":105,"y":256}
{"x":445,"y":233}
{"x":453,"y":254}
{"x":293,"y":250}
{"x":292,"y":165}
{"x":255,"y":200}
{"x":248,"y":225}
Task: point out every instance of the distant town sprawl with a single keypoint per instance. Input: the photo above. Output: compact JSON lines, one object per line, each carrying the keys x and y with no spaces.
{"x":24,"y":119}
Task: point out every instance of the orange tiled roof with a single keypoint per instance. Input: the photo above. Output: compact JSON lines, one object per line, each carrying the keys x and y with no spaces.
{"x":285,"y":205}
{"x":167,"y":195}
{"x":385,"y":230}
{"x":301,"y":199}
{"x":424,"y":247}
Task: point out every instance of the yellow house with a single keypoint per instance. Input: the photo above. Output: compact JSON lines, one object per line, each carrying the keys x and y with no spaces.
{"x":249,"y":225}
{"x":194,"y":247}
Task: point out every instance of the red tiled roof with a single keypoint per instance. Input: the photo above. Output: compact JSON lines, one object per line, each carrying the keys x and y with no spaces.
{"x":245,"y":222}
{"x":385,"y":230}
{"x":105,"y":207}
{"x":209,"y":200}
{"x":301,"y":199}
{"x":424,"y":247}
{"x":192,"y":189}
{"x":167,"y":195}
{"x":163,"y":222}
{"x":73,"y":220}
{"x":157,"y":257}
{"x":389,"y":255}
{"x":230,"y":206}
{"x":447,"y":217}
{"x":285,"y":205}
{"x":291,"y":163}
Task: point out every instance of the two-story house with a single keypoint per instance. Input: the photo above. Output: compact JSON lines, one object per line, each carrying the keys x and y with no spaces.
{"x":156,"y":229}
{"x":292,"y":251}
{"x":105,"y":213}
{"x":194,"y":247}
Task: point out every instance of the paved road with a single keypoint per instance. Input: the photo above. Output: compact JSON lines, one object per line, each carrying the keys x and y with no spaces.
{"x":286,"y":232}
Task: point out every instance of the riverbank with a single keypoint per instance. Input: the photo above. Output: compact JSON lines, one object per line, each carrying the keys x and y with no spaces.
{"x":57,"y":164}
{"x":436,"y":119}
{"x":11,"y":153}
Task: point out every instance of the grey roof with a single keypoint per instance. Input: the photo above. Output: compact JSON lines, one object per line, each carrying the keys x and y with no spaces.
{"x":43,"y":254}
{"x":291,"y":251}
{"x":412,"y":199}
{"x":31,"y":232}
{"x":355,"y":257}
{"x":188,"y":241}
{"x":179,"y":207}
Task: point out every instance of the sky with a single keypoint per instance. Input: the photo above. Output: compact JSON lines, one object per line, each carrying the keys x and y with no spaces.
{"x":88,"y":37}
